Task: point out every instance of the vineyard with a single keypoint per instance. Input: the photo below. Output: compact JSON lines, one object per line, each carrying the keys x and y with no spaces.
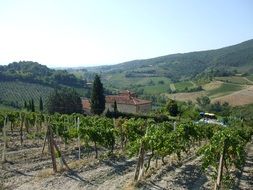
{"x":40,"y":151}
{"x":18,"y":92}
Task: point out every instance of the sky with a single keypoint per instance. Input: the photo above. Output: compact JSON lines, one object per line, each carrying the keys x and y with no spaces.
{"x":72,"y":33}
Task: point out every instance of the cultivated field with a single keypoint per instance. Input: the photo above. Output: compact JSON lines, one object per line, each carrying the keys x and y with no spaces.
{"x":235,"y":94}
{"x":28,"y":168}
{"x":238,"y":98}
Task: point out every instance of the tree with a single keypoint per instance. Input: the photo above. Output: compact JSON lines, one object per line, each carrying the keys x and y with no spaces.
{"x":25,"y":105}
{"x":41,"y":105}
{"x":115,"y":107}
{"x":97,"y":97}
{"x":172,"y":107}
{"x":64,"y":101}
{"x":204,"y":102}
{"x":31,"y":106}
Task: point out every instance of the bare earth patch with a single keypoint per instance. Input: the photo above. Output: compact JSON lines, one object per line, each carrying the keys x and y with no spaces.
{"x":241,"y":97}
{"x":192,"y":96}
{"x":245,"y":177}
{"x":212,"y":85}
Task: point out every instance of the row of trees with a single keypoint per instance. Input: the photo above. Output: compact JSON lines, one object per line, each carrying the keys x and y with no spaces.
{"x":30,"y":106}
{"x":67,"y":101}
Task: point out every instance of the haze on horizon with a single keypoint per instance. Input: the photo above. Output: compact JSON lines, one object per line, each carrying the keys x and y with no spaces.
{"x":65,"y":33}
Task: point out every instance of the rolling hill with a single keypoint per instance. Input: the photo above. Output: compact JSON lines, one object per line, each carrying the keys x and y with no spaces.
{"x":185,"y":74}
{"x":182,"y":66}
{"x":26,"y":80}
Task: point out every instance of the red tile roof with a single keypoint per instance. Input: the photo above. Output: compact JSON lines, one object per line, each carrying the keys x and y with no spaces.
{"x":86,"y":104}
{"x":125,"y":99}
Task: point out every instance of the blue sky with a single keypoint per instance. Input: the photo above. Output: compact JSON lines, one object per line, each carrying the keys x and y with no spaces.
{"x":69,"y":33}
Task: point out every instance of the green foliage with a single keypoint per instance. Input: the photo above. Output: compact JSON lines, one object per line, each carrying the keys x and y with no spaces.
{"x":222,"y":109}
{"x":33,"y":72}
{"x":242,"y":115}
{"x":188,"y":112}
{"x":231,"y":143}
{"x":203,"y":102}
{"x":41,"y":106}
{"x":159,"y":139}
{"x":65,"y":101}
{"x":172,"y":107}
{"x":14,"y":94}
{"x":97,"y":97}
{"x":99,"y":130}
{"x":220,"y":62}
{"x":224,"y":89}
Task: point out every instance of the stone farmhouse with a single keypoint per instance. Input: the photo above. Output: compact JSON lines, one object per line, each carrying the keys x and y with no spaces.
{"x":127,"y":102}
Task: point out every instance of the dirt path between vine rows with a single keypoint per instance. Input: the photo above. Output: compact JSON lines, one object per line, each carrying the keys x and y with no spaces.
{"x":246,"y":179}
{"x":188,"y":176}
{"x":119,"y":174}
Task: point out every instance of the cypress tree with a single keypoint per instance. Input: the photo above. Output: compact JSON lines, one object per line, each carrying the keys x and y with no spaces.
{"x":97,"y":97}
{"x":29,"y":107}
{"x":115,"y":107}
{"x":25,"y":105}
{"x":41,"y":105}
{"x":32,"y":106}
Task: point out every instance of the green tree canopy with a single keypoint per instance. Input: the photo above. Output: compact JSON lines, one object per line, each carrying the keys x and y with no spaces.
{"x":97,"y":97}
{"x":41,"y":105}
{"x":64,"y":101}
{"x":204,"y":102}
{"x":172,"y":107}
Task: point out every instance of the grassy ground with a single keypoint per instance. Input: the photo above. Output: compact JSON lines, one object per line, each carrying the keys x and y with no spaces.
{"x":7,"y":108}
{"x":157,"y":89}
{"x":224,"y":89}
{"x":250,"y":78}
{"x":180,"y":86}
{"x":233,"y":79}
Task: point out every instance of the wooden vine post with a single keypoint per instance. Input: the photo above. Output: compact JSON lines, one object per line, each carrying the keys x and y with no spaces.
{"x":140,"y":165}
{"x":21,"y":118}
{"x":78,"y":131}
{"x":220,"y":169}
{"x":53,"y":148}
{"x":5,"y":140}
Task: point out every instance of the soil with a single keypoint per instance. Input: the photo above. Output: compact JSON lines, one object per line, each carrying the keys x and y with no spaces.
{"x":27,"y":169}
{"x":238,"y":98}
{"x":246,"y":178}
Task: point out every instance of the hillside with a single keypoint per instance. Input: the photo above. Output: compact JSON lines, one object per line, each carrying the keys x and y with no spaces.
{"x":185,"y":76}
{"x":26,"y":80}
{"x":218,"y":62}
{"x":33,"y":72}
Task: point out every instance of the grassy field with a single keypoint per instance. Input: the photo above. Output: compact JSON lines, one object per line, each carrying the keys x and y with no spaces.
{"x":150,"y":85}
{"x":7,"y":108}
{"x":157,"y":89}
{"x":180,"y":86}
{"x":233,"y":79}
{"x":238,"y":98}
{"x":224,"y":89}
{"x":250,"y":78}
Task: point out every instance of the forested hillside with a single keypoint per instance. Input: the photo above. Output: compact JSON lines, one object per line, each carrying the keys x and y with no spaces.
{"x":220,"y":62}
{"x":33,"y":72}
